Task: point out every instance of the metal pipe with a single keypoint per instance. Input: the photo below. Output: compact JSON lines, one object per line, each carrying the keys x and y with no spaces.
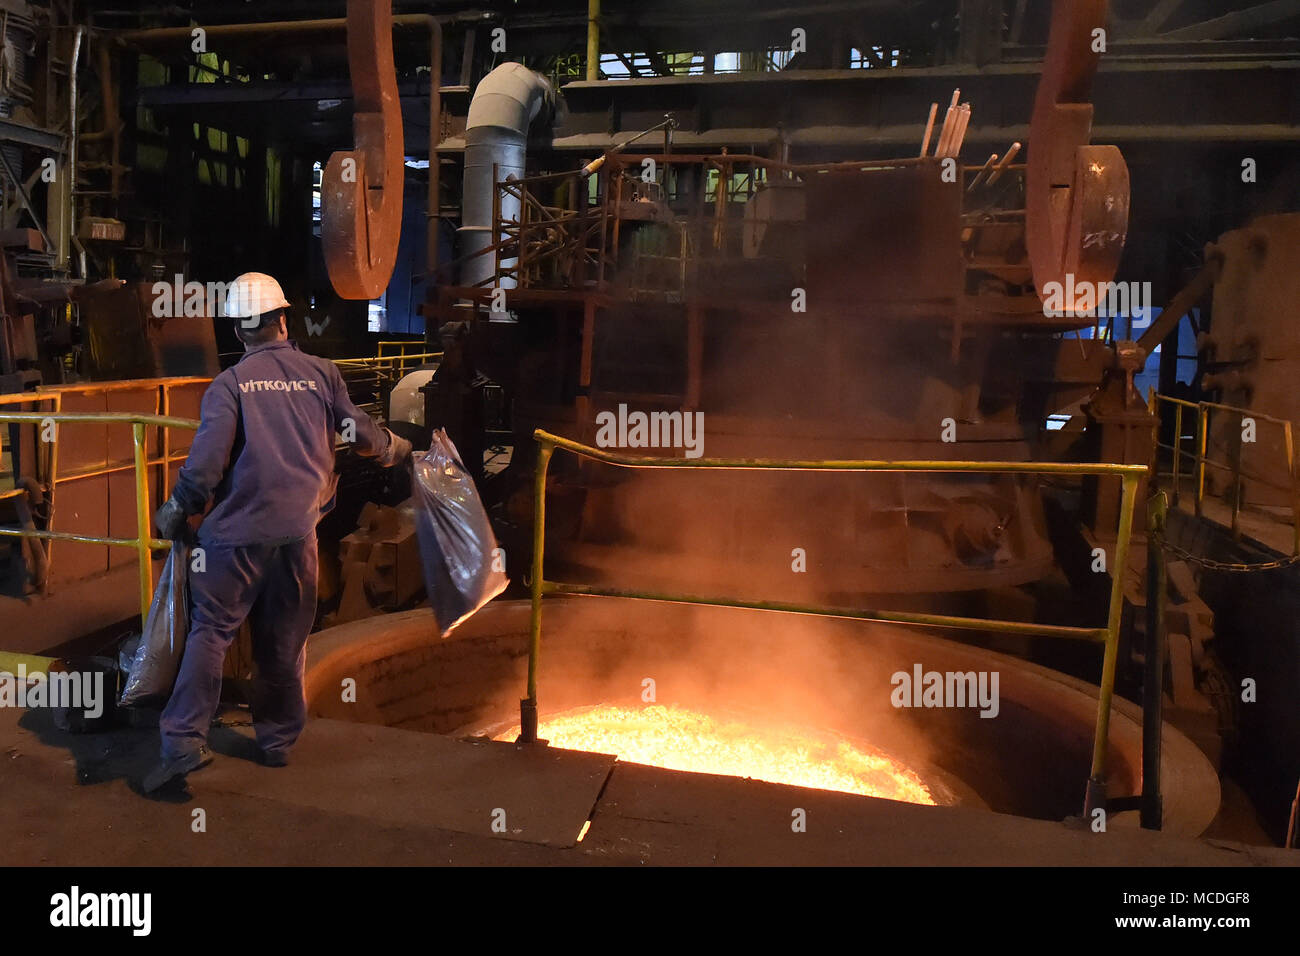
{"x":30,"y":495}
{"x":593,"y":40}
{"x":948,"y":118}
{"x":959,"y":131}
{"x":155,"y":543}
{"x":142,"y":550}
{"x":782,"y":464}
{"x":1002,"y":166}
{"x":528,"y":706}
{"x":929,"y":129}
{"x":128,"y":418}
{"x":72,"y":143}
{"x":161,"y":36}
{"x":750,"y":159}
{"x":1178,"y":446}
{"x":51,"y":510}
{"x":1095,"y":634}
{"x":1153,"y":680}
{"x":1095,"y":796}
{"x":1202,"y":435}
{"x":668,"y":125}
{"x":1245,"y":411}
{"x":988,"y":165}
{"x":504,"y":106}
{"x":115,"y":469}
{"x":433,"y":211}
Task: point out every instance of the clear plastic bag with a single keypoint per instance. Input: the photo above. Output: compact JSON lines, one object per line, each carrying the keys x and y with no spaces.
{"x":157,"y":658}
{"x":457,"y":546}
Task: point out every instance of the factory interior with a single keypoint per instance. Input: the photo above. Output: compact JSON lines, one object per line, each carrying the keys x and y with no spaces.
{"x":882,"y":409}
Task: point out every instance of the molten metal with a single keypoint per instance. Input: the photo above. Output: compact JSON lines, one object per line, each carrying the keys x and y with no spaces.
{"x":679,"y":739}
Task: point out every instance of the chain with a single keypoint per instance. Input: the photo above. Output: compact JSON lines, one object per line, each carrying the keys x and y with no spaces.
{"x":1212,"y":565}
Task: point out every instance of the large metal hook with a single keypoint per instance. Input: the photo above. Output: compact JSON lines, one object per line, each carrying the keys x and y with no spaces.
{"x":361,"y":189}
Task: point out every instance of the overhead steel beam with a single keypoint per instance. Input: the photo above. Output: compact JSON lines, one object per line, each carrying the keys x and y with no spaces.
{"x":1139,"y":99}
{"x":15,"y":132}
{"x":1260,"y":15}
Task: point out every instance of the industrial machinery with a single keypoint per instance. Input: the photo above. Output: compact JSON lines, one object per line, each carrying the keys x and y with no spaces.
{"x":783,"y":258}
{"x":888,"y":309}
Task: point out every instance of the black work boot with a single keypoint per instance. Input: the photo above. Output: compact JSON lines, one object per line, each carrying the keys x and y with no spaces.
{"x":169,"y":768}
{"x":275,"y":758}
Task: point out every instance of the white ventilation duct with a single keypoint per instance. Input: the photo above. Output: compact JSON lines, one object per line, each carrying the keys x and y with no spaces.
{"x":506,"y":103}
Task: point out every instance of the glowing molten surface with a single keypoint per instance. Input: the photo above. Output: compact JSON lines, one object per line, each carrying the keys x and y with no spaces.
{"x":679,"y":739}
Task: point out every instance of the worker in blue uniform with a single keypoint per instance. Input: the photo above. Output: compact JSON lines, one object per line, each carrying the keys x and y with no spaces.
{"x":264,"y":457}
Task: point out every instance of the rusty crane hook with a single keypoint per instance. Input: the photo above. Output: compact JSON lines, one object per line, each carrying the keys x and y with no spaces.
{"x":1077,"y":195}
{"x":361,"y":189}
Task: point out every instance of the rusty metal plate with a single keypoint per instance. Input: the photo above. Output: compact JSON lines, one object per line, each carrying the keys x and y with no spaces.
{"x":884,"y":235}
{"x":1077,"y":195}
{"x":406,"y":777}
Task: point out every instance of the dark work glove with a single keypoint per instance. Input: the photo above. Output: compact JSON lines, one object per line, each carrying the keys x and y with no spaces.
{"x":398,"y":451}
{"x":170,"y":519}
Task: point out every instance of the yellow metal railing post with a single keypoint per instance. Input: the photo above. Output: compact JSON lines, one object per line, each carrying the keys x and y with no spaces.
{"x":1096,"y":792}
{"x":143,"y":537}
{"x":1202,"y":437}
{"x":1295,"y":486}
{"x":1153,"y":678}
{"x":1178,"y":446}
{"x":528,"y":706}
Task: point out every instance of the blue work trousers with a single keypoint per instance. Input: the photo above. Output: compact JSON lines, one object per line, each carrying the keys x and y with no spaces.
{"x":274,"y":586}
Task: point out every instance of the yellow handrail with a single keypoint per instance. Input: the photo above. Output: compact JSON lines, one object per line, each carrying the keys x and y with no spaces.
{"x":397,"y":365}
{"x":1203,"y":461}
{"x":1129,"y":475}
{"x":143,"y":542}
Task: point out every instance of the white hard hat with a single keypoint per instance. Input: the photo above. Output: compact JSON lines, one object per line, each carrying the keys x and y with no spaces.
{"x":253,"y":294}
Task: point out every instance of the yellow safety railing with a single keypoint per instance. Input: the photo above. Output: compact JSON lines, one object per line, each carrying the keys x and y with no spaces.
{"x":1201,"y":460}
{"x":389,"y":366}
{"x":1129,"y":475}
{"x":405,"y":356}
{"x":144,"y":542}
{"x":52,"y":473}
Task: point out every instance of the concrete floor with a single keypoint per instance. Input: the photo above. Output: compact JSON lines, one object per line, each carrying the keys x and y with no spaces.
{"x":364,"y":795}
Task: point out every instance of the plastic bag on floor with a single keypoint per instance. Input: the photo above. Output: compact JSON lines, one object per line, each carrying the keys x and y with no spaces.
{"x":457,"y":546}
{"x":157,"y":660}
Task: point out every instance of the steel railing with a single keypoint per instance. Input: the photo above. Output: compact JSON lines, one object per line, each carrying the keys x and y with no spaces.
{"x":1201,"y":460}
{"x":52,"y":473}
{"x":1129,"y":475}
{"x":144,"y":542}
{"x":405,"y":356}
